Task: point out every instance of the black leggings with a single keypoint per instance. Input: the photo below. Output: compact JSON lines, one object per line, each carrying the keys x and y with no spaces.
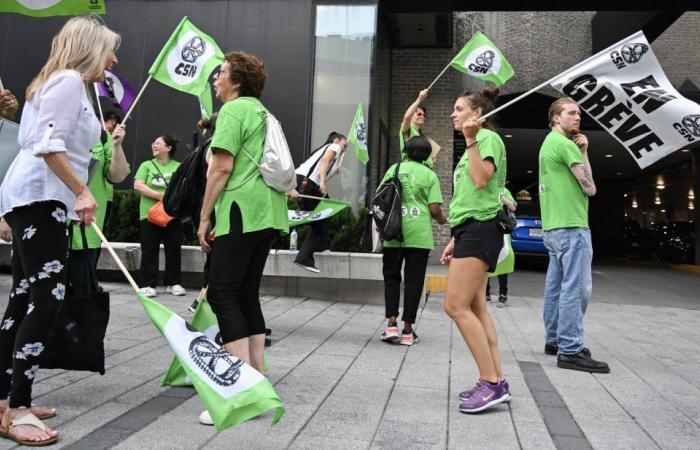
{"x":317,"y":239}
{"x":414,"y":277}
{"x":151,"y":236}
{"x":39,"y":253}
{"x":237,"y":264}
{"x":502,"y":285}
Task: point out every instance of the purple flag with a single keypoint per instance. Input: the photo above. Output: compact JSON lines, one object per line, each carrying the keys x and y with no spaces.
{"x":121,"y":93}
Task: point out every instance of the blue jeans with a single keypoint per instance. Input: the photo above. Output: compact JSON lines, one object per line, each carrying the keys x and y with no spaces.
{"x":568,"y":287}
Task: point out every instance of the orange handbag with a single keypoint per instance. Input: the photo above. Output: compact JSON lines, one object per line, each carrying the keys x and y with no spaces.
{"x":158,"y":216}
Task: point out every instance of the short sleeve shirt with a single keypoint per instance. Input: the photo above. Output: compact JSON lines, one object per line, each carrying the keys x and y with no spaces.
{"x":468,"y":202}
{"x":149,"y":174}
{"x":420,"y":188}
{"x":412,"y":132}
{"x":315,"y":158}
{"x":242,"y":124}
{"x":562,"y":201}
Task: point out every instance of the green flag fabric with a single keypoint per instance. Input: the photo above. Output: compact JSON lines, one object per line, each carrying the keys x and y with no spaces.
{"x":506,"y":259}
{"x":187,"y":59}
{"x":48,"y":8}
{"x":206,"y":102}
{"x":358,"y":135}
{"x":326,"y":208}
{"x":481,"y":59}
{"x":204,"y":321}
{"x":230,"y":390}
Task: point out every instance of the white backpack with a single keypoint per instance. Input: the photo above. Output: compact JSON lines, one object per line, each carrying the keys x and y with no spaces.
{"x":276,"y":165}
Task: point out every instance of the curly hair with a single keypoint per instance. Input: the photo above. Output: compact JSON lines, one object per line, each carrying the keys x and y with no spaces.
{"x":248,"y":71}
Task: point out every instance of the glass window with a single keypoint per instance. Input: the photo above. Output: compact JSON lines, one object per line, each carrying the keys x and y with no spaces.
{"x":344,"y":40}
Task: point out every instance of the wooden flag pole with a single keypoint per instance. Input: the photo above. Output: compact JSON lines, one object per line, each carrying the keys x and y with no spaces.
{"x":99,"y":107}
{"x":136,"y":100}
{"x":116,"y":258}
{"x":312,"y":197}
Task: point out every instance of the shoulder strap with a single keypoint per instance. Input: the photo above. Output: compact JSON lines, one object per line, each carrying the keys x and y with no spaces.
{"x":161,"y":173}
{"x":322,"y":150}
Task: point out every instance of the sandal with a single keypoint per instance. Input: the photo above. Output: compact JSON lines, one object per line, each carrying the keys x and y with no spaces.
{"x":50,"y":415}
{"x":27,"y":419}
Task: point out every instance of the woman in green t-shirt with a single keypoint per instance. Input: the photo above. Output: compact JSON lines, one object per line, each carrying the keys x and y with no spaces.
{"x":479,"y":179}
{"x":150,"y":181}
{"x":412,"y":125}
{"x":248,"y":212}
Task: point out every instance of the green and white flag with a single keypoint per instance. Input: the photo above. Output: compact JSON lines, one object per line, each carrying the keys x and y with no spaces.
{"x":48,"y":8}
{"x":358,"y":135}
{"x":206,"y":102}
{"x":506,"y":258}
{"x":481,"y":59}
{"x":187,"y":59}
{"x":326,"y":208}
{"x":230,"y":390}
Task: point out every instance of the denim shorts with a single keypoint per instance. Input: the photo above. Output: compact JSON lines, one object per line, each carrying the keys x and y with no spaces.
{"x":482,"y":240}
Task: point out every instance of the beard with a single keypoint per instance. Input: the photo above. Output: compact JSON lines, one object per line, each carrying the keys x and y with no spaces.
{"x":574,"y":130}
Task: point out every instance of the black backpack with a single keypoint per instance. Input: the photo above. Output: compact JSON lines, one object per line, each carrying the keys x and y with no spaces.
{"x":386,"y":208}
{"x":183,"y":196}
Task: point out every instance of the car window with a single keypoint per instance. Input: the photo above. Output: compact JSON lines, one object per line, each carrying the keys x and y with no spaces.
{"x":528,"y":209}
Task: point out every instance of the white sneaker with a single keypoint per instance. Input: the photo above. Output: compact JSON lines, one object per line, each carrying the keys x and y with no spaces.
{"x":205,"y":418}
{"x":177,"y":290}
{"x":148,"y":291}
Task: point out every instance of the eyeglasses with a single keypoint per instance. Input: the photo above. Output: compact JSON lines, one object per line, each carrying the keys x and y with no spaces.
{"x":420,"y":114}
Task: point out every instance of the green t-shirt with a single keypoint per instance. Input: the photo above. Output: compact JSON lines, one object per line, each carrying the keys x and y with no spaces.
{"x":420,"y":188}
{"x":100,"y":187}
{"x":562,"y":201}
{"x":413,"y":132}
{"x":468,"y":202}
{"x":149,"y":174}
{"x":242,"y":123}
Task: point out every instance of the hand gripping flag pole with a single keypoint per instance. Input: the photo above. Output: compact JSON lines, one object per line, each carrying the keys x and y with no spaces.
{"x":231,"y":390}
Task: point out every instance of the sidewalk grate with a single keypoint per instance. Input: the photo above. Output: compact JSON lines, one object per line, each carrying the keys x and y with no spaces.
{"x":564,"y":430}
{"x":114,"y":432}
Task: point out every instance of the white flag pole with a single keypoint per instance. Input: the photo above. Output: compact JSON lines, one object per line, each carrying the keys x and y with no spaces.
{"x":518,"y":98}
{"x":136,"y":100}
{"x":116,"y":258}
{"x":2,"y":88}
{"x":99,"y":106}
{"x":312,"y":197}
{"x":441,"y":73}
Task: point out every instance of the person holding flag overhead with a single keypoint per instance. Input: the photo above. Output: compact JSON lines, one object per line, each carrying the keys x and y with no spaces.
{"x":412,"y":125}
{"x":312,"y":178}
{"x":43,"y":190}
{"x":420,"y":202}
{"x":249,"y":213}
{"x":477,"y":239}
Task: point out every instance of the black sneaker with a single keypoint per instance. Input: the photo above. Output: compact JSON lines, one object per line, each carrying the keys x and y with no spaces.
{"x":488,"y":297}
{"x":581,"y":362}
{"x":502,"y":301}
{"x":268,"y":331}
{"x":552,"y":350}
{"x":268,"y":342}
{"x":193,"y":307}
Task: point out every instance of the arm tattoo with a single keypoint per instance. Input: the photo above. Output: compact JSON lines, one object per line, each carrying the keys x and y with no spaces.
{"x":587,"y":181}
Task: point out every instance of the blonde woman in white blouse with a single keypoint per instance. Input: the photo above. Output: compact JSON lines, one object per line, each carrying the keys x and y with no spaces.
{"x":43,"y":190}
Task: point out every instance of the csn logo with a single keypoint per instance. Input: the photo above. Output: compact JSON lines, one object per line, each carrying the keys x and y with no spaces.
{"x":483,"y":62}
{"x":190,"y":54}
{"x":689,"y":127}
{"x":628,"y":54}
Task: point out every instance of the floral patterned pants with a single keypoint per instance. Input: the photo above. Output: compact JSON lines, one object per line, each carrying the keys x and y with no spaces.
{"x":39,"y":249}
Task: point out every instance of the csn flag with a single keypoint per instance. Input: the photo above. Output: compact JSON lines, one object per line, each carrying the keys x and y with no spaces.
{"x":204,"y":321}
{"x":326,"y":208}
{"x":506,"y":258}
{"x":116,"y":88}
{"x":206,"y":102}
{"x":231,"y":390}
{"x":625,"y":90}
{"x":47,"y":8}
{"x":481,"y":59}
{"x":358,"y":135}
{"x":187,"y":59}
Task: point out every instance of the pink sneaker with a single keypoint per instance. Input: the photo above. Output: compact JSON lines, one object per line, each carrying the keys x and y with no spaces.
{"x":409,"y":339}
{"x":391,"y":334}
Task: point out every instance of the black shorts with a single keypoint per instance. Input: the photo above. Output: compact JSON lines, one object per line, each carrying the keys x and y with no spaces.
{"x":476,"y":239}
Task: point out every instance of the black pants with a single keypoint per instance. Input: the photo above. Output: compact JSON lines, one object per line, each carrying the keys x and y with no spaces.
{"x":416,"y":262}
{"x":237,"y":264}
{"x":151,"y":236}
{"x":502,"y":285}
{"x":317,"y":239}
{"x":39,"y":249}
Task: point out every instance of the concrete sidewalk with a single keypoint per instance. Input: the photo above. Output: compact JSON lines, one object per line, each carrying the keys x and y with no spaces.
{"x":344,"y":388}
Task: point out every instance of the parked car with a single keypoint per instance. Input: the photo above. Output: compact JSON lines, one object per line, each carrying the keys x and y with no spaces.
{"x":676,"y":242}
{"x":528,"y":237}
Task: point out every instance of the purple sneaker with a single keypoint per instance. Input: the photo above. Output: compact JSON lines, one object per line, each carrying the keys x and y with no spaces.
{"x":486,"y":396}
{"x":464,"y":395}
